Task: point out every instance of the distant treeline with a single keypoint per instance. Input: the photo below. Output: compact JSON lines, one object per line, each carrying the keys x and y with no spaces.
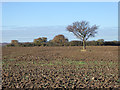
{"x":60,"y":40}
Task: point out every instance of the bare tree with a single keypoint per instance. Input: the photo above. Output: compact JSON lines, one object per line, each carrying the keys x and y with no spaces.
{"x":83,"y":31}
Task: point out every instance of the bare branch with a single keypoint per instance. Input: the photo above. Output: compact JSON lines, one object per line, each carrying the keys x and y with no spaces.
{"x":82,"y":30}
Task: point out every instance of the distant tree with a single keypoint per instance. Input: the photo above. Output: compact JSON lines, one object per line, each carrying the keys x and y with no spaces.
{"x":27,"y":44}
{"x":111,"y":43}
{"x":67,"y":44}
{"x":75,"y":43}
{"x":100,"y":41}
{"x":83,"y":31}
{"x":50,"y":43}
{"x":60,"y":39}
{"x":39,"y":41}
{"x":43,"y":44}
{"x":10,"y":45}
{"x":118,"y":43}
{"x":14,"y":43}
{"x":92,"y":43}
{"x":115,"y":43}
{"x":44,"y":39}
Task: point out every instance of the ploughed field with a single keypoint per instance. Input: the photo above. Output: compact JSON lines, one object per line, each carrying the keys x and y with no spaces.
{"x":60,"y":67}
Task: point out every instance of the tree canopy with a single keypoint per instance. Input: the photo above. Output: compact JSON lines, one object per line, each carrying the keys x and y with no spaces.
{"x":82,"y":30}
{"x":60,"y":39}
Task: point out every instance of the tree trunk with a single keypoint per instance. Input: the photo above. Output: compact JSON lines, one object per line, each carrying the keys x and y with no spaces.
{"x":84,"y":46}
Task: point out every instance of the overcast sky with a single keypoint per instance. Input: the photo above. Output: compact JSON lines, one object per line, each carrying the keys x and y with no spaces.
{"x":25,"y":21}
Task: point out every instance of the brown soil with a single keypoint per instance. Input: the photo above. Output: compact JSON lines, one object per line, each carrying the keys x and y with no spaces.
{"x":60,"y":67}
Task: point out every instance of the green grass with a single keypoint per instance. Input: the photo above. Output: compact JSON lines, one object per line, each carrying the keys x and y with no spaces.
{"x":111,"y":63}
{"x":7,"y":65}
{"x":34,"y":62}
{"x":65,"y":62}
{"x":49,"y":64}
{"x":81,"y":62}
{"x":3,"y":62}
{"x":60,"y":69}
{"x":95,"y":62}
{"x":5,"y":56}
{"x":17,"y":64}
{"x":118,"y":80}
{"x":100,"y":62}
{"x":8,"y":59}
{"x":73,"y":62}
{"x":26,"y":78}
{"x":58,"y":63}
{"x":23,"y":62}
{"x":11,"y":59}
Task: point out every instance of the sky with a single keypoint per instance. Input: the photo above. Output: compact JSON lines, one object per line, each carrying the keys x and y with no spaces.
{"x":26,"y":21}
